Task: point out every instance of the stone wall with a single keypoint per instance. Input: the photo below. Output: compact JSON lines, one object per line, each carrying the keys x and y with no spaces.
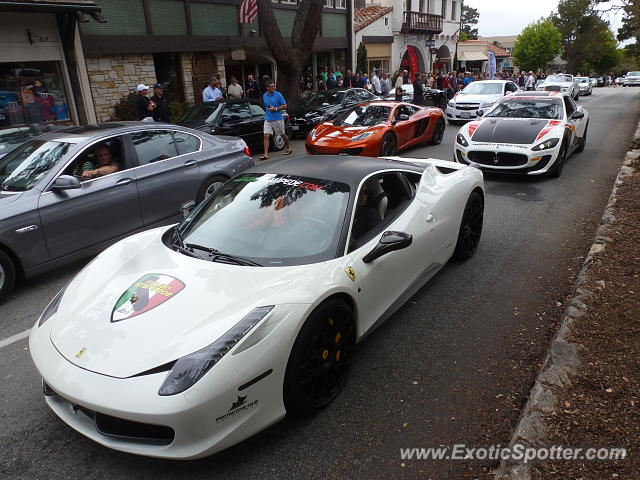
{"x":187,"y":76}
{"x":113,"y":76}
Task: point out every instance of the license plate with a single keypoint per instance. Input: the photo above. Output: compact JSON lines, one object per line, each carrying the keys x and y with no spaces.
{"x":295,"y":128}
{"x":465,"y":115}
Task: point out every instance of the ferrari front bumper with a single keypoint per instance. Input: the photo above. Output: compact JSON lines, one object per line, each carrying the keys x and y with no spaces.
{"x":238,"y":397}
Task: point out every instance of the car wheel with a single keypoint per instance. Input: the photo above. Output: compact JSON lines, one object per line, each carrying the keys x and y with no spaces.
{"x":583,"y":140}
{"x":276,"y":143}
{"x":438,"y":133}
{"x":209,"y":186}
{"x":320,"y":359}
{"x":556,"y":170}
{"x":7,"y":275}
{"x":388,"y":145}
{"x":470,"y":227}
{"x":452,"y":122}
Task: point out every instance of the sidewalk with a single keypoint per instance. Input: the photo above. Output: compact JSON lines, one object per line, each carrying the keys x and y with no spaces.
{"x":588,"y":392}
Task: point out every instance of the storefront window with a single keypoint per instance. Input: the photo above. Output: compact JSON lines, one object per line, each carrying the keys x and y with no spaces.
{"x":380,"y":64}
{"x":32,"y":92}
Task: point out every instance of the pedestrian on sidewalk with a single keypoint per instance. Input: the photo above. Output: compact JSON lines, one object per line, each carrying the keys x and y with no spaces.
{"x":418,"y":91}
{"x":376,"y":88}
{"x":531,"y":82}
{"x":273,"y":119}
{"x":162,"y":113}
{"x":385,"y":84}
{"x":234,"y":90}
{"x":144,"y":106}
{"x":252,"y":88}
{"x":212,"y":93}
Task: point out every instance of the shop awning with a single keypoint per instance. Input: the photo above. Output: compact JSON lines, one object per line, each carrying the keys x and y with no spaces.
{"x":88,"y":7}
{"x":472,"y":56}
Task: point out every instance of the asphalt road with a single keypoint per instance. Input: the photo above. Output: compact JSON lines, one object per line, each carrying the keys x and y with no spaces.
{"x":452,"y":366}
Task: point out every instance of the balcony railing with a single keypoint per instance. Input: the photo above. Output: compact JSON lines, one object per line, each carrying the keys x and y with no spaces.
{"x":417,"y":22}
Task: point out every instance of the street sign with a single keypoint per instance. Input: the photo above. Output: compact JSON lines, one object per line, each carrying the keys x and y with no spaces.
{"x":238,"y":55}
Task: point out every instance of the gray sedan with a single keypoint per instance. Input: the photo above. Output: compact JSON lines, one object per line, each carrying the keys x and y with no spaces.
{"x":69,"y":194}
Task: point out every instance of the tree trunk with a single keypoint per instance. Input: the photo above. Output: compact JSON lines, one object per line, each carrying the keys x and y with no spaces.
{"x":291,"y":55}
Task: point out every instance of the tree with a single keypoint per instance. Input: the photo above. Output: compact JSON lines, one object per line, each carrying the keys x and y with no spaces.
{"x":291,"y":55}
{"x":361,"y":58}
{"x":470,"y":17}
{"x":537,"y":45}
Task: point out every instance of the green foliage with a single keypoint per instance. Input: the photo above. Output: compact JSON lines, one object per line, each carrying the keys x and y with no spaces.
{"x":178,"y":110}
{"x":125,"y":109}
{"x":470,"y":17}
{"x":361,"y":58}
{"x":464,"y":36}
{"x":537,"y":45}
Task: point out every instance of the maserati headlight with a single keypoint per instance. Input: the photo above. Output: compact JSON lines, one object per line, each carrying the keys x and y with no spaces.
{"x":461,"y":140}
{"x":451,"y":103}
{"x":362,"y":136}
{"x":191,"y":368}
{"x":52,"y":308}
{"x":313,"y":134}
{"x":552,"y":142}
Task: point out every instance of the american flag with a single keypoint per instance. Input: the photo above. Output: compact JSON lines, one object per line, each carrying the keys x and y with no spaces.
{"x":248,"y":11}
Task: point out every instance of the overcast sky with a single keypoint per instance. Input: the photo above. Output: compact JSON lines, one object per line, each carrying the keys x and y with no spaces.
{"x":500,"y":17}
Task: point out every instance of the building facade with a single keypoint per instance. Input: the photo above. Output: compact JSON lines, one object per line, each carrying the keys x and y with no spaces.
{"x":182,"y":43}
{"x":423,"y":33}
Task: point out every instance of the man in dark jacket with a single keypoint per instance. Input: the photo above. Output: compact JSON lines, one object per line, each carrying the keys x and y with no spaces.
{"x":161,"y":112}
{"x":144,"y":106}
{"x":418,"y":90}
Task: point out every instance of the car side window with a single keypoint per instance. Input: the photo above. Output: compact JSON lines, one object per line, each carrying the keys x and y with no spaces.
{"x":571,"y":107}
{"x":98,"y":160}
{"x":153,"y":145}
{"x":511,"y":87}
{"x":186,"y":143}
{"x":351,"y":97}
{"x":380,"y":199}
{"x":256,"y":110}
{"x":234,"y":112}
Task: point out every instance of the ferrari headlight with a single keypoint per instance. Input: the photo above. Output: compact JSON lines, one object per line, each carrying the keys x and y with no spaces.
{"x":52,"y":308}
{"x":461,"y":140}
{"x":313,"y":134}
{"x":362,"y":136}
{"x":552,"y":142}
{"x":191,"y":368}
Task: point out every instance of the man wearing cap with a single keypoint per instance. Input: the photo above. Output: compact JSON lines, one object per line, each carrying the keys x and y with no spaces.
{"x":162,"y":112}
{"x":144,"y":106}
{"x":531,"y":82}
{"x":212,"y":93}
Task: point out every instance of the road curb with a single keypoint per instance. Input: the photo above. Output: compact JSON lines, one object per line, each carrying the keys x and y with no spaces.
{"x":562,"y":360}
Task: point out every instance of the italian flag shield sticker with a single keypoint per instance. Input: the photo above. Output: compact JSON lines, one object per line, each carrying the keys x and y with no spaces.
{"x":145,"y":294}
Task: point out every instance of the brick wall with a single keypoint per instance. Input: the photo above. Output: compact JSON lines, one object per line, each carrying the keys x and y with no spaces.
{"x":113,"y":76}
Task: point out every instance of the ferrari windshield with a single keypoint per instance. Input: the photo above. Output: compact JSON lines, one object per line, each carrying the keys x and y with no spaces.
{"x":559,"y":78}
{"x":204,"y":112}
{"x":22,"y":168}
{"x":363,"y":116}
{"x":483,"y":88}
{"x":322,"y":99}
{"x":528,"y":108}
{"x":271,"y":219}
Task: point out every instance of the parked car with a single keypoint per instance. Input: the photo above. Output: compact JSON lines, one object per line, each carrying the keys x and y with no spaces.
{"x":50,"y":215}
{"x":584,"y":85}
{"x":477,"y":95}
{"x":631,"y":79}
{"x":242,"y":118}
{"x":431,"y":98}
{"x":15,"y":135}
{"x":593,"y":82}
{"x":324,"y":105}
{"x":561,"y":82}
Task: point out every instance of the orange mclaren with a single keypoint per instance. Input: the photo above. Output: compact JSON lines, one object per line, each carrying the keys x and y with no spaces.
{"x":376,"y":129}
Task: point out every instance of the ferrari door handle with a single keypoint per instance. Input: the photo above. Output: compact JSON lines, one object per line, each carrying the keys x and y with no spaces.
{"x":430,"y":218}
{"x":124,"y":181}
{"x":190,"y":163}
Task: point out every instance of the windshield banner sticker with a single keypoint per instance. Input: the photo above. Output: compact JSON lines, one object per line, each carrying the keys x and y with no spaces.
{"x":145,"y":294}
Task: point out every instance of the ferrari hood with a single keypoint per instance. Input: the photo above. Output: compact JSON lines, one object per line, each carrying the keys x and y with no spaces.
{"x":509,"y":130}
{"x":128,"y":312}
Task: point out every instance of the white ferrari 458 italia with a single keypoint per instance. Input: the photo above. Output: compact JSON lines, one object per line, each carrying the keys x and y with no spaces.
{"x":181,"y":341}
{"x":529,"y":133}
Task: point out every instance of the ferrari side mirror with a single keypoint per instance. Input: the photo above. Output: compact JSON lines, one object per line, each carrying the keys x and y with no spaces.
{"x":390,"y":242}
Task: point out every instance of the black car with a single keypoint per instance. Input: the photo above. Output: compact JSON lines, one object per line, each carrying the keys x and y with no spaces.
{"x":324,"y":105}
{"x":432,"y":97}
{"x":242,"y":118}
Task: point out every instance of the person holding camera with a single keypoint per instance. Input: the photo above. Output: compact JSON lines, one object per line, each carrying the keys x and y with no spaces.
{"x":144,"y":105}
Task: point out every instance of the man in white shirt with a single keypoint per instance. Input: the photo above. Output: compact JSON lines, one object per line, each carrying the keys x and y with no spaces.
{"x":375,"y":83}
{"x":531,"y":82}
{"x":234,"y":89}
{"x":212,"y":92}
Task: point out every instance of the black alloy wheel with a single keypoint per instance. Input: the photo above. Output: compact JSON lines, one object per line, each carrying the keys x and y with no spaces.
{"x":7,"y":275}
{"x":583,"y":140}
{"x":470,"y":227}
{"x":209,"y":186}
{"x":388,"y":145}
{"x":438,"y":133}
{"x":556,"y":170}
{"x":320,"y":359}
